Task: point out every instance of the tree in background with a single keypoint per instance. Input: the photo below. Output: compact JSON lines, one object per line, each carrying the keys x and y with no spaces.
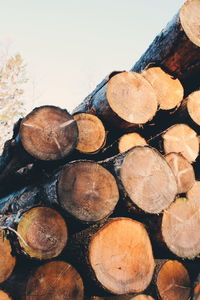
{"x":12,"y":80}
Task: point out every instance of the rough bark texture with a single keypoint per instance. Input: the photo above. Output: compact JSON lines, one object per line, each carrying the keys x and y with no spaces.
{"x":176,"y":48}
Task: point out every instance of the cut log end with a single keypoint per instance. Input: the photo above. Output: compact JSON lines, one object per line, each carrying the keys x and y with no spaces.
{"x":142,"y":297}
{"x":121,"y":256}
{"x":4,"y":296}
{"x":148,"y":179}
{"x":7,"y":261}
{"x":173,"y":282}
{"x":182,"y":170}
{"x":182,"y":139}
{"x":190,"y":20}
{"x":87,"y":191}
{"x":55,"y":280}
{"x":130,"y":140}
{"x":181,"y":227}
{"x":92,"y":133}
{"x":43,"y":233}
{"x":193,"y":106}
{"x":48,"y":133}
{"x":169,"y":90}
{"x":194,"y":192}
{"x":131,"y":97}
{"x":124,"y":297}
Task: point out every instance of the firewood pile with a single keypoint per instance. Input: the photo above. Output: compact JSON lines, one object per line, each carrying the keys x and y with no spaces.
{"x":105,"y":203}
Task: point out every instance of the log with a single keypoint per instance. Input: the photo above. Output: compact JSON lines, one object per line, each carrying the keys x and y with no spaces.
{"x":87,"y":191}
{"x":126,"y":101}
{"x":145,"y":179}
{"x":4,"y":296}
{"x":168,"y":89}
{"x":125,"y":297}
{"x":92,"y":134}
{"x":182,"y":139}
{"x":42,"y":233}
{"x":55,"y":280}
{"x":7,"y":260}
{"x":189,"y":110}
{"x":182,"y":170}
{"x":48,"y":133}
{"x":130,"y":140}
{"x":172,"y":281}
{"x":193,"y":194}
{"x":196,"y":290}
{"x":177,"y":48}
{"x":116,"y":255}
{"x":181,"y":227}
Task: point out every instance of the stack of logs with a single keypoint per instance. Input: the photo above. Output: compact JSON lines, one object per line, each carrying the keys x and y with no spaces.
{"x":105,"y":203}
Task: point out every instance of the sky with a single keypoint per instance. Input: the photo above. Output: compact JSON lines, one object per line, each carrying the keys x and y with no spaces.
{"x":69,"y":46}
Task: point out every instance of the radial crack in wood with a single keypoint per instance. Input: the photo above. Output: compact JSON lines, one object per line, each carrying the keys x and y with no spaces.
{"x":181,"y":227}
{"x":48,"y":133}
{"x":87,"y":191}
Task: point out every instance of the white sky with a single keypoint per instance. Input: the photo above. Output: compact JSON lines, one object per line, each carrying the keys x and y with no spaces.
{"x":69,"y":46}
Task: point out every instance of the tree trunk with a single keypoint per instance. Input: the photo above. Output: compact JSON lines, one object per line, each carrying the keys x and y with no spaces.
{"x":172,"y":280}
{"x":42,"y":232}
{"x":55,"y":280}
{"x":196,"y":291}
{"x":117,"y":256}
{"x":193,"y":194}
{"x":169,"y":91}
{"x":183,"y":171}
{"x":92,"y":134}
{"x":126,"y":101}
{"x":145,"y":179}
{"x":182,"y":139}
{"x":176,"y":48}
{"x":130,"y":140}
{"x":181,"y":227}
{"x":7,"y":260}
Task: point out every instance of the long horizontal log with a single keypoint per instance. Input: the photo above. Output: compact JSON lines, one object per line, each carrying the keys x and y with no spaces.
{"x":177,"y":47}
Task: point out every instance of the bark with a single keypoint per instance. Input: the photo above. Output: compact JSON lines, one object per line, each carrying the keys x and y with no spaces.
{"x":196,"y":290}
{"x":176,"y":48}
{"x":120,"y":102}
{"x":180,"y":228}
{"x":116,"y":255}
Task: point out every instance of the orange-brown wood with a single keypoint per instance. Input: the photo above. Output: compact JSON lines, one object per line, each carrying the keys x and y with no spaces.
{"x":92,"y":133}
{"x":43,"y":233}
{"x":56,"y":280}
{"x":148,"y":179}
{"x":168,"y":89}
{"x":173,"y":282}
{"x":181,"y":227}
{"x":183,"y":171}
{"x":194,"y":193}
{"x":124,"y":297}
{"x":121,"y":257}
{"x":131,"y":97}
{"x":182,"y":139}
{"x":48,"y":133}
{"x":4,"y":296}
{"x":130,"y":140}
{"x":7,"y":260}
{"x":87,"y":191}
